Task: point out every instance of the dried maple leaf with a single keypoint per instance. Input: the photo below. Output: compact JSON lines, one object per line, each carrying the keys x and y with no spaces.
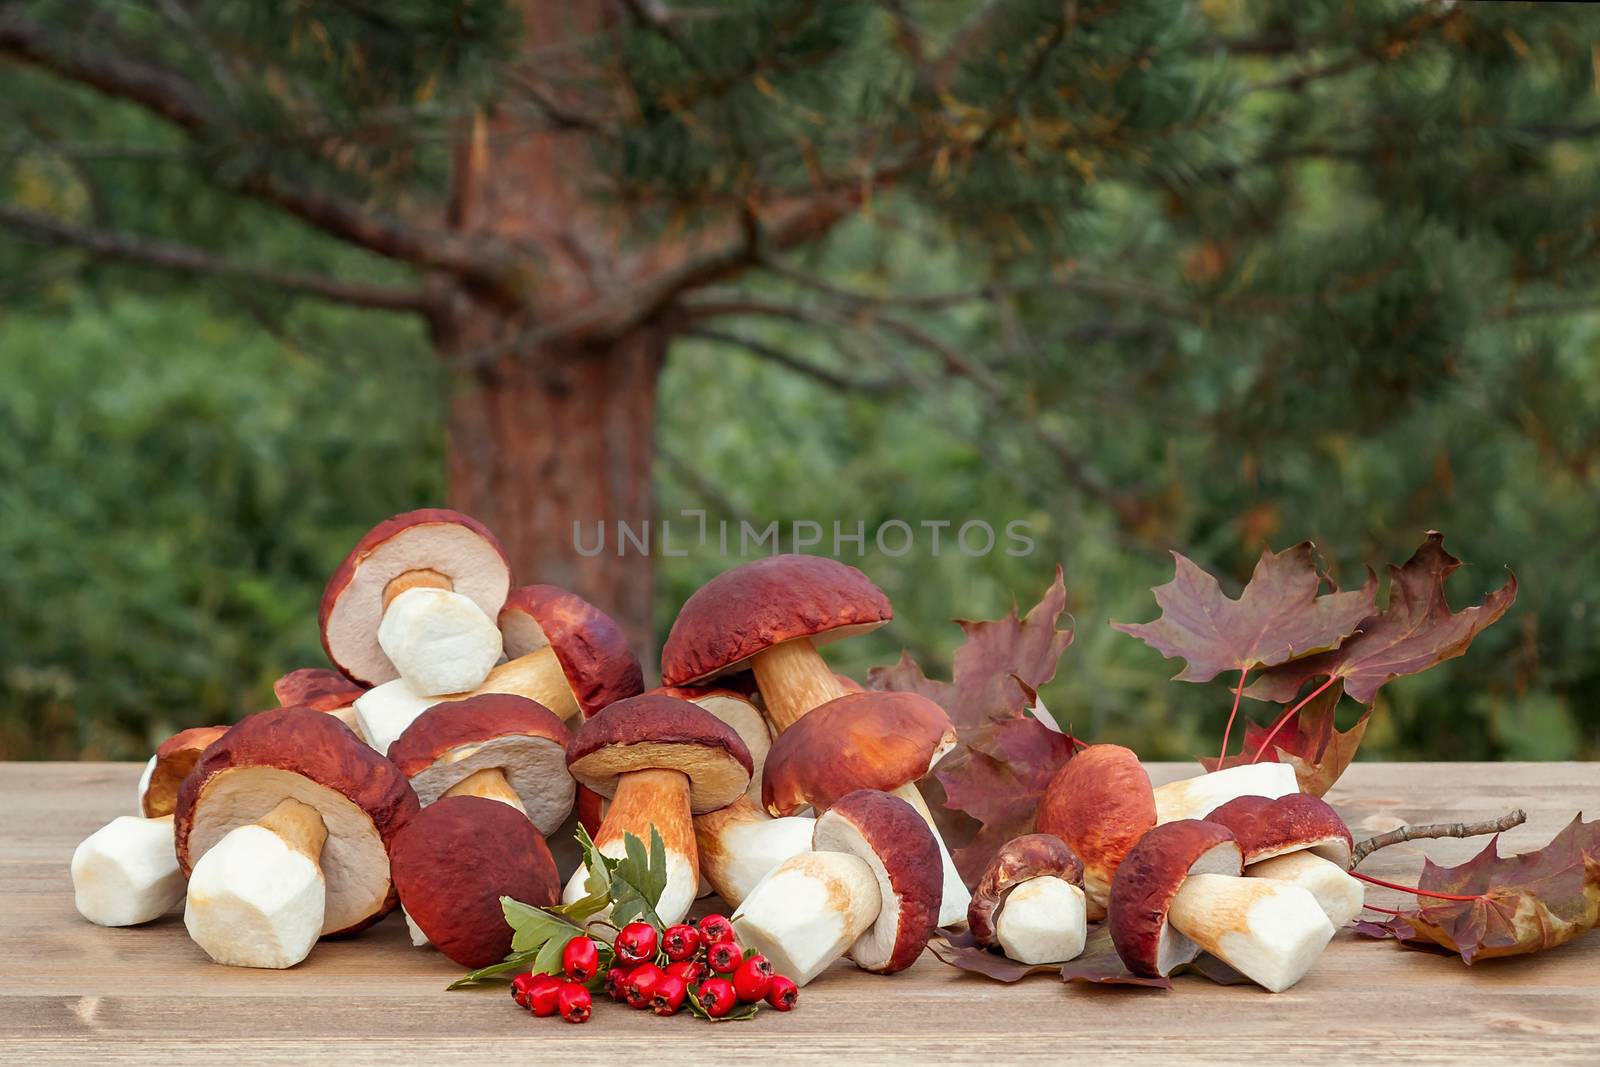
{"x":1278,"y":617}
{"x":961,"y":950}
{"x":1310,"y":742}
{"x":1416,"y":631}
{"x":1521,"y":904}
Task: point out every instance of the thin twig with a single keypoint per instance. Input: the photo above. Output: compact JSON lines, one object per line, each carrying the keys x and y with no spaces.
{"x":1437,"y":830}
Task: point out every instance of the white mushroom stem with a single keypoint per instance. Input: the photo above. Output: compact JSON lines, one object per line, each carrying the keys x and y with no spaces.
{"x":658,"y":798}
{"x":1197,"y":797}
{"x":794,"y":678}
{"x":953,"y":904}
{"x":1340,"y":895}
{"x":439,"y":640}
{"x":490,"y":784}
{"x":808,"y":911}
{"x":1042,"y":921}
{"x":741,"y":843}
{"x":257,"y":898}
{"x":126,"y":872}
{"x":1271,"y":932}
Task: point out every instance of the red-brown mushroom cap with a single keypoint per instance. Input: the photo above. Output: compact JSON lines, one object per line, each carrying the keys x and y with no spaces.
{"x":521,"y":738}
{"x":1267,"y":828}
{"x":454,"y":861}
{"x":763,"y":603}
{"x":891,"y":837}
{"x":590,"y":646}
{"x":873,"y":740}
{"x":1019,"y":860}
{"x":311,"y":757}
{"x":175,"y":758}
{"x":738,"y":711}
{"x":653,"y":732}
{"x":317,"y":688}
{"x":1100,"y":803}
{"x":437,"y":539}
{"x":1150,"y":876}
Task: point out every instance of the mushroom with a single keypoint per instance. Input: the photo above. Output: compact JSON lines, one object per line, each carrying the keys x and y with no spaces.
{"x":283,"y":829}
{"x":1198,"y":797}
{"x":660,"y":761}
{"x":882,"y":741}
{"x":416,"y":599}
{"x":1100,"y":803}
{"x":1301,"y":840}
{"x":1178,"y":891}
{"x":454,"y":861}
{"x":320,"y":689}
{"x":126,"y":872}
{"x":768,"y":616}
{"x":871,"y":888}
{"x":1029,"y":902}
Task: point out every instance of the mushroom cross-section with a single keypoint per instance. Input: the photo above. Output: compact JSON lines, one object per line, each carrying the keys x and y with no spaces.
{"x":1100,"y":803}
{"x":768,"y":616}
{"x":660,"y":761}
{"x":320,"y":689}
{"x":1029,"y":901}
{"x":871,"y":888}
{"x":882,"y":741}
{"x":1298,"y":839}
{"x":283,"y":829}
{"x":1199,"y":796}
{"x":416,"y":599}
{"x":126,"y":872}
{"x":454,"y":861}
{"x":1178,"y":891}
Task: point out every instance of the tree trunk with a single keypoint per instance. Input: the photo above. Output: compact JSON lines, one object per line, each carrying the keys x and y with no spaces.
{"x":547,"y":443}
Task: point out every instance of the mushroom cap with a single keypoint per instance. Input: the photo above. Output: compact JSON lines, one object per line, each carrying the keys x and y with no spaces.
{"x":739,"y":712}
{"x":453,"y":862}
{"x":1019,"y":860}
{"x":1100,"y":803}
{"x":590,"y":646}
{"x":763,"y":603}
{"x":1150,"y":876}
{"x":174,"y":759}
{"x":891,"y":837}
{"x":1269,"y":827}
{"x":317,"y":688}
{"x":858,"y":741}
{"x":654,"y":732}
{"x":437,"y":539}
{"x":522,"y":738}
{"x":310,"y":756}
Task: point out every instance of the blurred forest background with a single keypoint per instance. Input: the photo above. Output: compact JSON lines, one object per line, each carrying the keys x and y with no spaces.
{"x":1145,"y":275}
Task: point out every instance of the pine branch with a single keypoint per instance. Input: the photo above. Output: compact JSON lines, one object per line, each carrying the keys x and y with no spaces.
{"x":186,"y":259}
{"x":773,"y":354}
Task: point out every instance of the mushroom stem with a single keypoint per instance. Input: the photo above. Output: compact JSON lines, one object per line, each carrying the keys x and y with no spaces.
{"x":126,"y":872}
{"x":1269,"y":931}
{"x":794,"y":678}
{"x":421,"y":578}
{"x":298,"y":825}
{"x":740,"y":843}
{"x":1199,"y":796}
{"x":1340,"y":895}
{"x":1042,"y":921}
{"x":808,"y":911}
{"x":537,"y":676}
{"x":953,"y":905}
{"x":658,"y":798}
{"x":489,"y":783}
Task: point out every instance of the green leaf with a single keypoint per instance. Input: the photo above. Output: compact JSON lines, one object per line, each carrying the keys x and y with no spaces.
{"x":514,"y":962}
{"x":737,"y":1015}
{"x":549,"y":958}
{"x":638,"y":882}
{"x":533,"y":927}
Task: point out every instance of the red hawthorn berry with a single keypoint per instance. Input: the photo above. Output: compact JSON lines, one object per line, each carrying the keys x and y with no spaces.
{"x":576,"y":1004}
{"x":714,"y":928}
{"x":680,"y":942}
{"x":641,"y":983}
{"x":543,"y":996}
{"x":691,"y":971}
{"x":666,"y":996}
{"x":717,"y":997}
{"x":782,"y":994}
{"x":520,"y":986}
{"x":753,"y":979}
{"x":636,"y":943}
{"x":724,"y":956}
{"x":580,"y":959}
{"x":617,"y":983}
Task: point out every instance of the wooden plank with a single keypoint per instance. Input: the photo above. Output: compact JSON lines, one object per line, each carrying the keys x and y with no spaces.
{"x":70,"y":990}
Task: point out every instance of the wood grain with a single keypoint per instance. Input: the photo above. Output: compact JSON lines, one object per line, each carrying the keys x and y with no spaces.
{"x":73,"y":991}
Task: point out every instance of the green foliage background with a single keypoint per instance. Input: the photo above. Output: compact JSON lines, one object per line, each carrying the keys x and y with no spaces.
{"x":1311,"y":340}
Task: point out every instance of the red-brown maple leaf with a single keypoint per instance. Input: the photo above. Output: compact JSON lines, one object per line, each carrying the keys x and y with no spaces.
{"x":1310,"y":742}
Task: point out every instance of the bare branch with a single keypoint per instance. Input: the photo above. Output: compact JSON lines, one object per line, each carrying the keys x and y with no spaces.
{"x":773,"y":354}
{"x":1434,"y":831}
{"x":187,"y":259}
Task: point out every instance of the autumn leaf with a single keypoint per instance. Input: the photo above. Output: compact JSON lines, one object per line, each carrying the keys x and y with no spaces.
{"x":1310,"y":742}
{"x":1521,"y":904}
{"x":961,"y":950}
{"x":1416,"y":631}
{"x":1100,"y":964}
{"x":1278,"y":617}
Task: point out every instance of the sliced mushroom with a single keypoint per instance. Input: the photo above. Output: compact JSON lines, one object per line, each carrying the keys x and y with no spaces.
{"x":1029,"y":902}
{"x":1198,"y":797}
{"x":283,"y":830}
{"x":1301,"y":840}
{"x":1100,"y":803}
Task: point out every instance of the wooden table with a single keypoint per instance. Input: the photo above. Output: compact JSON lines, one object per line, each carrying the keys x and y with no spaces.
{"x":73,"y":991}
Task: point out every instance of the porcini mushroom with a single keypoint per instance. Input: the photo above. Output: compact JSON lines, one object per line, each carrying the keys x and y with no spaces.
{"x":1179,"y":891}
{"x":126,"y":872}
{"x":660,"y":761}
{"x":871,"y":887}
{"x":1100,"y":803}
{"x":882,"y":741}
{"x":416,"y":599}
{"x":320,"y":689}
{"x":1297,"y":839}
{"x":454,"y":861}
{"x":1199,"y":796}
{"x":768,"y":616}
{"x":283,"y":829}
{"x":1029,"y":902}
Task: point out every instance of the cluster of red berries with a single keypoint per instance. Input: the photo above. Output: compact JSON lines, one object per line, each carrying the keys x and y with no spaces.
{"x":659,"y":970}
